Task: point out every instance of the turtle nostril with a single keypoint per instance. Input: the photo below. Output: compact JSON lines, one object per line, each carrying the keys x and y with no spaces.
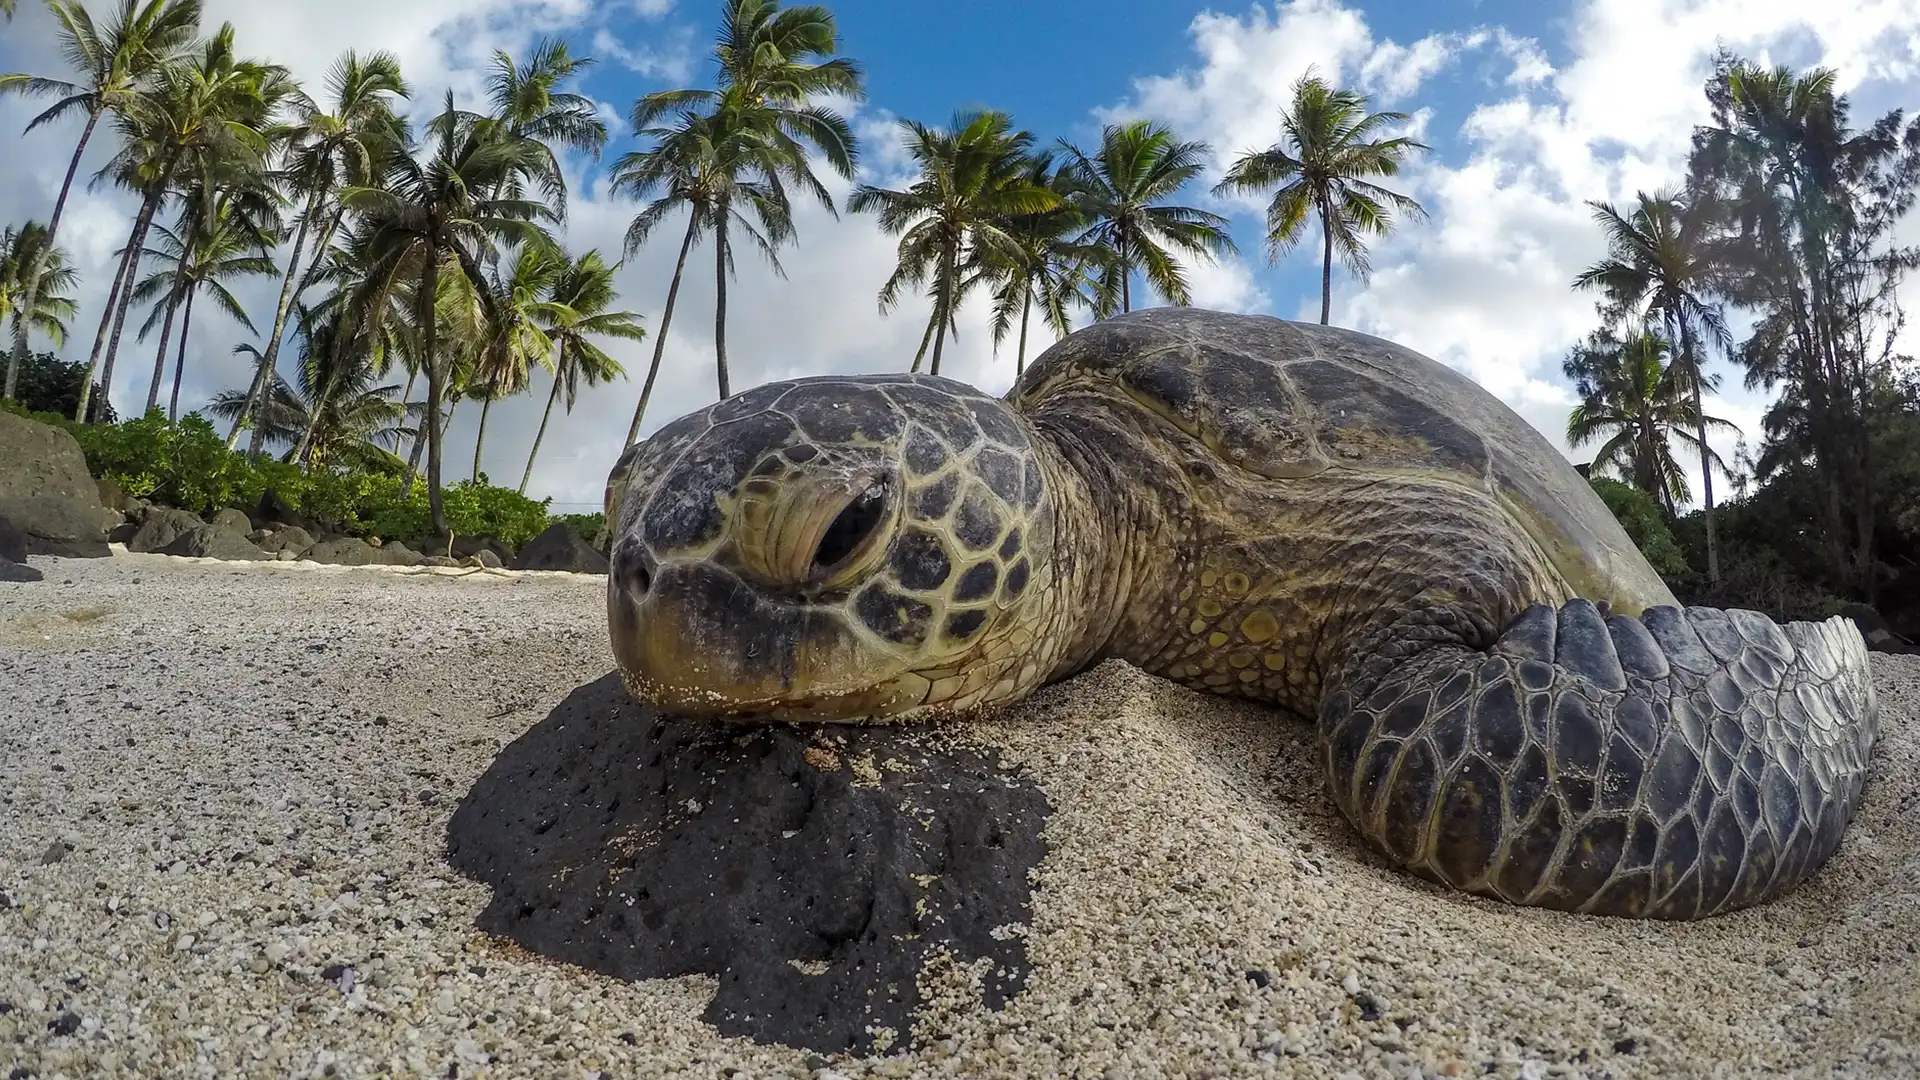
{"x":632,"y":566}
{"x":852,"y":527}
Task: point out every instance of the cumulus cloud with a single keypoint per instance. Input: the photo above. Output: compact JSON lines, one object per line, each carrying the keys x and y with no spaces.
{"x":1485,"y":285}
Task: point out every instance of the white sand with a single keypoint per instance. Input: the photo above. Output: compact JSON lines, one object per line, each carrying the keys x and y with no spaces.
{"x":248,"y":770}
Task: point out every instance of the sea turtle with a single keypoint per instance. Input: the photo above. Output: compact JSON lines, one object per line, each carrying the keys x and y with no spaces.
{"x":1509,"y":700}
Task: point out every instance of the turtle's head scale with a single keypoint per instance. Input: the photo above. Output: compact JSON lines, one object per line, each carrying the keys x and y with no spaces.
{"x":832,"y":549}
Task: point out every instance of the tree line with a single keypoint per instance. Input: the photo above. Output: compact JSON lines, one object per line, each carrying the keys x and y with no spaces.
{"x":434,"y":251}
{"x":1783,"y":226}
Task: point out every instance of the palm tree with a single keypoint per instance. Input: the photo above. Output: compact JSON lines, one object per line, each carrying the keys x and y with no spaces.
{"x":513,"y":339}
{"x":576,"y":315}
{"x":725,"y":171}
{"x":1660,"y":266}
{"x":343,"y":143}
{"x":1046,"y":263}
{"x":220,"y":237}
{"x":207,"y":115}
{"x":1323,"y":165}
{"x":113,"y":64}
{"x":357,"y":426}
{"x":34,"y":281}
{"x":973,"y":179}
{"x":773,"y":63}
{"x":443,"y":209}
{"x":1640,"y":405}
{"x":526,"y":99}
{"x":1121,"y":189}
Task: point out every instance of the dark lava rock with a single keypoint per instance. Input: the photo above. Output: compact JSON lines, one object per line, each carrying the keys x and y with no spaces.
{"x":112,"y":495}
{"x":160,"y":526}
{"x":561,"y":547}
{"x":465,"y":547}
{"x":19,"y":572}
{"x":65,"y":1024}
{"x":47,"y":492}
{"x":230,"y":520}
{"x":342,"y":551}
{"x":1873,"y":627}
{"x":275,"y":509}
{"x":642,"y":846}
{"x":288,"y":538}
{"x":353,"y":551}
{"x":13,"y":542}
{"x":395,"y":553}
{"x":67,"y":528}
{"x":213,"y":542}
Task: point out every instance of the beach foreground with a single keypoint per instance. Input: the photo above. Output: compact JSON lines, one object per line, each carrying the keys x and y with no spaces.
{"x":225,"y":814}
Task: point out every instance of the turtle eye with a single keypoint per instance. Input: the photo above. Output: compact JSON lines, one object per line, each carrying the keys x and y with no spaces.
{"x":852,"y":529}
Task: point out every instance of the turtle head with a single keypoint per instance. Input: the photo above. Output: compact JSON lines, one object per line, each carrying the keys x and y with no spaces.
{"x":832,"y":549}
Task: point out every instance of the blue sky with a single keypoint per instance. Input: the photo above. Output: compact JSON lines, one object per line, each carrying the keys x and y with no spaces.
{"x":1531,"y":109}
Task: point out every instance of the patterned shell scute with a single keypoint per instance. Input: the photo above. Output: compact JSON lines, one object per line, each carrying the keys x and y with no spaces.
{"x":834,"y":421}
{"x":1288,"y":400}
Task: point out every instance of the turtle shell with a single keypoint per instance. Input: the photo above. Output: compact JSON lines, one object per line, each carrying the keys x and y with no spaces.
{"x":1289,"y":401}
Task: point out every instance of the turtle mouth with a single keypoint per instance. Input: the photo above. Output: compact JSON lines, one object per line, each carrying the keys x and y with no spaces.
{"x":897,"y":700}
{"x":705,"y":642}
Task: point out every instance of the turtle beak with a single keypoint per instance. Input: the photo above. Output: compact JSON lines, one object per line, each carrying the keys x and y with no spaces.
{"x":694,"y":639}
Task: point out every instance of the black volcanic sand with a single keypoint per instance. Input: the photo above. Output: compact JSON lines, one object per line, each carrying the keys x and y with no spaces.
{"x":643,"y":846}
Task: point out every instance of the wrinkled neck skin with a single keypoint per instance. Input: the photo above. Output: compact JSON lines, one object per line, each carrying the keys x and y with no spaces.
{"x":1113,"y":535}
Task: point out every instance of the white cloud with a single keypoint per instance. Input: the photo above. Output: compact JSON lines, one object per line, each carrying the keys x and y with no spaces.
{"x":1485,"y":285}
{"x":670,"y":62}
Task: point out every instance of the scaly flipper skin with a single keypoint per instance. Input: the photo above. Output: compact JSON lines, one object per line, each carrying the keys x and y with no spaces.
{"x":1675,"y":766}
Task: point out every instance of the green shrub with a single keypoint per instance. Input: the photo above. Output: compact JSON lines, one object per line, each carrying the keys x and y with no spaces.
{"x":188,"y":466}
{"x":1646,"y":526}
{"x":473,"y":509}
{"x":589,"y":526}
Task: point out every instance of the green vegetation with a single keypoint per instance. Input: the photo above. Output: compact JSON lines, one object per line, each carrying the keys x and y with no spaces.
{"x":1783,"y":227}
{"x":419,"y":269}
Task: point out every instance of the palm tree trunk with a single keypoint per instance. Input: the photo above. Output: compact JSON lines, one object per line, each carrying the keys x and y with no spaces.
{"x":559,"y":369}
{"x":1026,"y":310}
{"x":943,"y":306}
{"x":720,"y":299}
{"x":272,"y":357}
{"x":147,"y":214}
{"x":1706,"y":467}
{"x":100,"y":341}
{"x":166,"y":336}
{"x":1326,"y":265}
{"x":927,"y":337}
{"x":666,"y":319}
{"x":486,"y":406}
{"x":180,"y":363}
{"x":30,"y":293}
{"x":16,"y":355}
{"x":436,"y":386}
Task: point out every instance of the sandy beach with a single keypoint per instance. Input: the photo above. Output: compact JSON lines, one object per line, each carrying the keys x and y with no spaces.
{"x":225,"y":793}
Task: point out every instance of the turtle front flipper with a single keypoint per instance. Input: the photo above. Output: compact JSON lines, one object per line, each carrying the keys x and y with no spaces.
{"x":1674,"y":766}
